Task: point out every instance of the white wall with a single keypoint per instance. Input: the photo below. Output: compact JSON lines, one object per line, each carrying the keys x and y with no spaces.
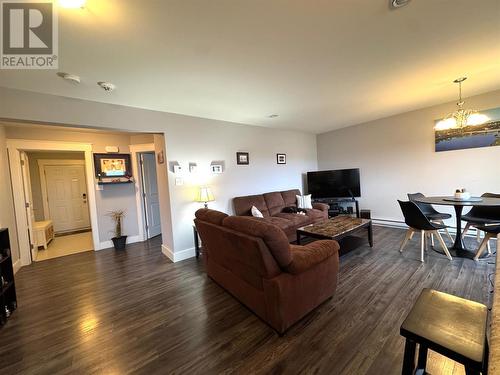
{"x":188,"y":139}
{"x":220,"y":142}
{"x":112,"y":197}
{"x":7,"y":218}
{"x":396,"y":156}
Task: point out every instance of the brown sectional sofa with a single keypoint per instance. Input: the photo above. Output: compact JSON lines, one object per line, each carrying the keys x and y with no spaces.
{"x":272,"y":204}
{"x":253,"y":260}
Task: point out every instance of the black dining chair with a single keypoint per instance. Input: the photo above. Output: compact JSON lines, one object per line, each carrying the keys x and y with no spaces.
{"x":480,"y":216}
{"x":490,"y":231}
{"x":418,"y":222}
{"x":431,"y":213}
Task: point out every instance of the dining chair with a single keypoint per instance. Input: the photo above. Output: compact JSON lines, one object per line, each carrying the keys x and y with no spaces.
{"x":431,"y":213}
{"x":480,"y":216}
{"x":418,"y":222}
{"x":490,"y":231}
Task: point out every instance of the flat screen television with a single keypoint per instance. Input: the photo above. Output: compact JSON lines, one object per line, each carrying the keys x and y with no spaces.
{"x":342,"y":183}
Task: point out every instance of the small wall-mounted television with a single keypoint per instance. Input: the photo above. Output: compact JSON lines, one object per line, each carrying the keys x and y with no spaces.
{"x":341,"y":183}
{"x":112,"y":165}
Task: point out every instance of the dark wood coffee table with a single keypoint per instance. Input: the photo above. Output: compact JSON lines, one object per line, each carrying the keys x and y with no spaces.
{"x":336,"y":229}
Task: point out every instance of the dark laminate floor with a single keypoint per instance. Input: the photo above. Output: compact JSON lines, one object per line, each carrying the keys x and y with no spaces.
{"x":135,"y":312}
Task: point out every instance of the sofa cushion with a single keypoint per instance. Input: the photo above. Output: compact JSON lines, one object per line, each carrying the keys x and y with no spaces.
{"x":243,"y":205}
{"x":316,"y":214}
{"x":274,"y":237}
{"x":210,"y":216}
{"x":255,"y":212}
{"x":290,"y":197}
{"x":274,"y":202}
{"x":304,"y":201}
{"x":295,"y":220}
{"x":283,"y":223}
{"x":306,"y":257}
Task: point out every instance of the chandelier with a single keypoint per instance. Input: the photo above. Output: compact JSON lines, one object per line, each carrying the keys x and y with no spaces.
{"x":461,"y":117}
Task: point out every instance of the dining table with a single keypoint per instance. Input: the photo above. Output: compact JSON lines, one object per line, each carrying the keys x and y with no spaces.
{"x":459,"y":249}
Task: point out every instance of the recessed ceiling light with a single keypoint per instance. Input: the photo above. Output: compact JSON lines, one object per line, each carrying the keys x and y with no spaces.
{"x":72,"y":4}
{"x":274,"y":115}
{"x":69,"y":77}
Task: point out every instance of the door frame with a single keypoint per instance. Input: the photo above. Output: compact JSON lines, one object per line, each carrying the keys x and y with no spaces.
{"x":42,"y":163}
{"x":28,"y":199}
{"x":14,"y":146}
{"x":136,"y":171}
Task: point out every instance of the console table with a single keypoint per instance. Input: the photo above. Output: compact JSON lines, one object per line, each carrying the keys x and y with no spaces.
{"x":339,"y":202}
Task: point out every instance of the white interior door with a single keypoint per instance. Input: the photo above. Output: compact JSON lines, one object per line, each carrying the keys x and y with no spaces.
{"x":28,"y":201}
{"x":67,"y":197}
{"x":150,"y":194}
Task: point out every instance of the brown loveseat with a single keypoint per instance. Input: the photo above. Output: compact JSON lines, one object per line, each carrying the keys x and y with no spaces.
{"x":253,"y":260}
{"x":272,"y":204}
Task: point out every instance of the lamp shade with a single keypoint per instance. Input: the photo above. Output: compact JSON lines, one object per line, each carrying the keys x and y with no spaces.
{"x":204,"y":195}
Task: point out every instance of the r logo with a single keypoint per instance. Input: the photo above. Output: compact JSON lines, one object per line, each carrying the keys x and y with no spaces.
{"x":27,"y":28}
{"x":29,"y":31}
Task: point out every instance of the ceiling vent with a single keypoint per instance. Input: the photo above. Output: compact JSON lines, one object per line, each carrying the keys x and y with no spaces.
{"x":398,"y":3}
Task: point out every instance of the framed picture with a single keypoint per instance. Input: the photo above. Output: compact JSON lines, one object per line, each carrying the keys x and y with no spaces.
{"x":471,"y":136}
{"x":112,"y":165}
{"x":281,"y":158}
{"x":216,"y":168}
{"x":242,"y":158}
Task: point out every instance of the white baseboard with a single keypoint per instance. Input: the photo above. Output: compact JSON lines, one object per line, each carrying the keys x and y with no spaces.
{"x":178,"y":256}
{"x":108,"y":244}
{"x":389,"y":223}
{"x":17,"y":266}
{"x":401,"y":225}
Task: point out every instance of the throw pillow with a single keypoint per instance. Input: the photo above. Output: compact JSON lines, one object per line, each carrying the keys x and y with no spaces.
{"x":304,"y":201}
{"x":256,"y":212}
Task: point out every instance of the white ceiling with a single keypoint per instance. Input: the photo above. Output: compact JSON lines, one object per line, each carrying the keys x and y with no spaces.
{"x":319,"y":64}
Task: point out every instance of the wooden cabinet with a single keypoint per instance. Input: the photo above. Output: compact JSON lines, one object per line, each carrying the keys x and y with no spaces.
{"x":8,"y":299}
{"x":44,"y":233}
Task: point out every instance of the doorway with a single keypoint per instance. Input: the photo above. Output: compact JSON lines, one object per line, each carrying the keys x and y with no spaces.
{"x":150,"y":194}
{"x":55,"y":192}
{"x":144,"y":166}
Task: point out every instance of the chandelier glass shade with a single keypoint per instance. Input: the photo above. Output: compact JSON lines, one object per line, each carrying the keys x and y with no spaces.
{"x":461,"y":118}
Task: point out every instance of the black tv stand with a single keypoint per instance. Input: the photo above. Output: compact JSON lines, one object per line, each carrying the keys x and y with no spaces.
{"x":338,"y":206}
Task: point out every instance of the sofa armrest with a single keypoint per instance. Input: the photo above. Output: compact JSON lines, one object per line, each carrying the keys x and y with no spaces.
{"x":321,"y":206}
{"x":306,"y":257}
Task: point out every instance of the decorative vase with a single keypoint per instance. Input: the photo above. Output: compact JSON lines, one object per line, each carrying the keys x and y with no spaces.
{"x":119,"y":242}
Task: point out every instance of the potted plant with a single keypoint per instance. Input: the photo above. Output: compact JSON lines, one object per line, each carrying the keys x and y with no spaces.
{"x":119,"y":240}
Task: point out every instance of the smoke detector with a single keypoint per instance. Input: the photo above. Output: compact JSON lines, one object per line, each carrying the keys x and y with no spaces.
{"x":107,"y":86}
{"x":69,"y":77}
{"x":398,"y":3}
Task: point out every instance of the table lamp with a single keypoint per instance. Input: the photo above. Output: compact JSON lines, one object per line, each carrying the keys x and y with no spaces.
{"x":204,"y":195}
